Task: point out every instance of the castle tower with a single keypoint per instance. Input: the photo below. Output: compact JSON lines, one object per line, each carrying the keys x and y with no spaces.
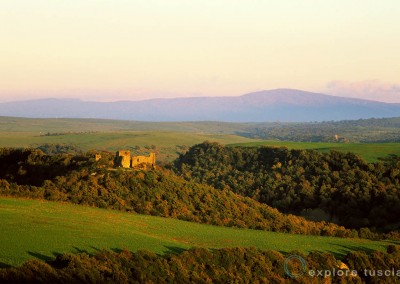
{"x":123,"y":159}
{"x":153,"y":159}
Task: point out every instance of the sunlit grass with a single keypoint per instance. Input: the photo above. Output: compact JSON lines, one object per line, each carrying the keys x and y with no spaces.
{"x":167,"y":144}
{"x":32,"y":228}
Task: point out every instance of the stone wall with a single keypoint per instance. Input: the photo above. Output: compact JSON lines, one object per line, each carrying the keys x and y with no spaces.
{"x":123,"y":159}
{"x":144,"y":161}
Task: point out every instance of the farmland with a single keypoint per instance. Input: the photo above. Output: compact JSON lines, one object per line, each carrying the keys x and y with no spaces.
{"x":167,"y":139}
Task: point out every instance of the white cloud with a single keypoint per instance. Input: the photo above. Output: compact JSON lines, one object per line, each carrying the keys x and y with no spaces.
{"x":371,"y":90}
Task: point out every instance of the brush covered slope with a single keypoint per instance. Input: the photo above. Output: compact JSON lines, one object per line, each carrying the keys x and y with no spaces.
{"x":230,"y":265}
{"x":336,"y":187}
{"x":81,"y":180}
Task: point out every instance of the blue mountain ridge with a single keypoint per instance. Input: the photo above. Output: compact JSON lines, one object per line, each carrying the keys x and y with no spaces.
{"x":286,"y":105}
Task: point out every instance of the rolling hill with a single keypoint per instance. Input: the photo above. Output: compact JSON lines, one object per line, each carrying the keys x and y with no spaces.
{"x":272,"y":105}
{"x":86,"y":229}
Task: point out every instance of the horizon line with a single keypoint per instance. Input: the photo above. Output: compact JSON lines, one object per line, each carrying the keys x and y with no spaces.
{"x":190,"y":97}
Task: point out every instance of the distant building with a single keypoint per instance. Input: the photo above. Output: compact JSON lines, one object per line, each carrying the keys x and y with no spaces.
{"x":124,"y":159}
{"x":341,"y":139}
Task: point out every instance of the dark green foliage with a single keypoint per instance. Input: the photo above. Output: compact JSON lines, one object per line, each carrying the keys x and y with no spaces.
{"x":372,"y":267}
{"x":336,"y":187}
{"x":33,"y":167}
{"x":159,"y":193}
{"x":51,"y":149}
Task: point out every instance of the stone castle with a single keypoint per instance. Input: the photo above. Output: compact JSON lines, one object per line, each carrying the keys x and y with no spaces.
{"x":124,"y":159}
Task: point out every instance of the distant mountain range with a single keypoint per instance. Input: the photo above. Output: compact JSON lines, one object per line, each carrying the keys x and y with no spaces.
{"x":274,"y":105}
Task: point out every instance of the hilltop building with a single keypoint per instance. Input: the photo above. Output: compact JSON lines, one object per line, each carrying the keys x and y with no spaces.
{"x":124,"y":159}
{"x":140,"y":161}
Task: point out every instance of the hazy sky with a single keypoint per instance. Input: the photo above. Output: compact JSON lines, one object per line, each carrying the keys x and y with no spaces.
{"x":131,"y":49}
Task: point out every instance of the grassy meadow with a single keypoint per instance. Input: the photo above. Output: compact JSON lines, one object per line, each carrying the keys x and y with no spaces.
{"x":167,"y":138}
{"x":44,"y":125}
{"x":167,"y":145}
{"x":42,"y":229}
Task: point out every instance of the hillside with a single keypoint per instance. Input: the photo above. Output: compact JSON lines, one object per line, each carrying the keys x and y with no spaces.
{"x":336,"y":187}
{"x":81,"y":180}
{"x":88,"y":229}
{"x":370,"y":152}
{"x":272,"y":105}
{"x":115,"y":247}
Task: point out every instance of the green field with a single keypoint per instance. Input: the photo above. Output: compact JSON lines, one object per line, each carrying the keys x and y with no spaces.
{"x":169,"y":138}
{"x":369,"y":151}
{"x":167,"y":144}
{"x":32,"y":228}
{"x":52,"y":125}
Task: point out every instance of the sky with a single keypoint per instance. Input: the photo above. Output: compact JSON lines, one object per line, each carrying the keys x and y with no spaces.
{"x":139,"y":49}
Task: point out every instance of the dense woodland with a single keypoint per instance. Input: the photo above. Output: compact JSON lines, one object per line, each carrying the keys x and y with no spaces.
{"x":82,"y":180}
{"x":362,"y":130}
{"x":337,"y":187}
{"x":197,"y":265}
